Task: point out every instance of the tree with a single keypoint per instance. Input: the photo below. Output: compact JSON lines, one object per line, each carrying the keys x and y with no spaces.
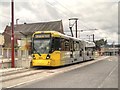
{"x":100,"y":43}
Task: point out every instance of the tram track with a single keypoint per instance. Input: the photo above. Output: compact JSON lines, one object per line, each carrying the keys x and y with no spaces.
{"x":29,"y":75}
{"x":22,"y":73}
{"x":15,"y":72}
{"x":29,"y":72}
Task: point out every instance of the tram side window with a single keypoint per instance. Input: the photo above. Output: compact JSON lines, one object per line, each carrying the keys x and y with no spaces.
{"x":80,"y":45}
{"x":67,"y":45}
{"x":90,"y":49}
{"x":87,"y":51}
{"x":92,"y":52}
{"x":71,"y":45}
{"x":81,"y":52}
{"x":56,"y":44}
{"x":76,"y":46}
{"x":62,"y":45}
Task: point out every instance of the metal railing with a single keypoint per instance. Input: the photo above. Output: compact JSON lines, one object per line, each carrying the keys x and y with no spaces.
{"x":22,"y":58}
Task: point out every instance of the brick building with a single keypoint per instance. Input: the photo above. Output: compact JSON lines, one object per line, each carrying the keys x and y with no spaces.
{"x":27,"y":29}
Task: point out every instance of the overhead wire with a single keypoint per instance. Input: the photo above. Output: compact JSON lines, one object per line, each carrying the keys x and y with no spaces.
{"x":57,"y":8}
{"x":64,"y":7}
{"x":53,"y":5}
{"x":72,"y":13}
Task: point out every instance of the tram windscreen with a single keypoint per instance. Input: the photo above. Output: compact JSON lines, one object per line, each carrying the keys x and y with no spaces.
{"x":41,"y":46}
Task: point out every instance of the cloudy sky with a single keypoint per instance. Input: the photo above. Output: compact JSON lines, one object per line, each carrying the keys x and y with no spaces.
{"x":99,"y":14}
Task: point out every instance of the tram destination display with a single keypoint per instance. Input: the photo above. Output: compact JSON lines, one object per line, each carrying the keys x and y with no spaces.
{"x":42,"y":36}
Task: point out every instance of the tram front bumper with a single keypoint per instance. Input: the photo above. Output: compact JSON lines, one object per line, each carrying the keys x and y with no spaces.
{"x":41,"y":63}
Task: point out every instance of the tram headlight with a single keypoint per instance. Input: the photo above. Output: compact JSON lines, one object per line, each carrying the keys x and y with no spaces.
{"x":33,"y":56}
{"x":48,"y":56}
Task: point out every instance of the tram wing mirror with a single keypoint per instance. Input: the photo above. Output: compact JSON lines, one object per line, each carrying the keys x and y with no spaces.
{"x":31,"y":51}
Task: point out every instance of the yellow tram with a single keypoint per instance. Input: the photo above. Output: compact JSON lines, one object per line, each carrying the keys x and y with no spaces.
{"x":51,"y":48}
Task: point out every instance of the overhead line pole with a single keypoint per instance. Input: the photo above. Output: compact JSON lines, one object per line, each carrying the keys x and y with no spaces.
{"x":71,"y":31}
{"x":93,"y":38}
{"x":75,"y":25}
{"x":12,"y":37}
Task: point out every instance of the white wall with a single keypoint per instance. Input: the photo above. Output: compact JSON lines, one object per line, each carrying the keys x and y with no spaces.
{"x":1,"y":39}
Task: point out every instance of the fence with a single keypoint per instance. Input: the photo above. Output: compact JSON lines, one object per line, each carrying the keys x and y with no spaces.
{"x":22,"y":58}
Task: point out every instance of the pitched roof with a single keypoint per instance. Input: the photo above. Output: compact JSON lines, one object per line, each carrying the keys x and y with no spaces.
{"x":42,"y":26}
{"x":21,"y":30}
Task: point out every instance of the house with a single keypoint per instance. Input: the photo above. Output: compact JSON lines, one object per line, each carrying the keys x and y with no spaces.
{"x":1,"y":39}
{"x":1,"y":43}
{"x":27,"y":29}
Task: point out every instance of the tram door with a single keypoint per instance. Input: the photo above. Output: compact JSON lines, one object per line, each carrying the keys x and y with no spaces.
{"x":71,"y":48}
{"x":81,"y":51}
{"x":76,"y":52}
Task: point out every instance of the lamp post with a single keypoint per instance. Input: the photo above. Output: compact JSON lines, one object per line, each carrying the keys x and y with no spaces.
{"x":12,"y":37}
{"x":93,"y":37}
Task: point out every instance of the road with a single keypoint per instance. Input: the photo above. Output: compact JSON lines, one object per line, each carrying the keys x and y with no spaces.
{"x":102,"y":74}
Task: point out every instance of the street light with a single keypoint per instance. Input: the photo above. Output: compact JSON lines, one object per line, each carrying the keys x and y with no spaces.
{"x":17,"y":21}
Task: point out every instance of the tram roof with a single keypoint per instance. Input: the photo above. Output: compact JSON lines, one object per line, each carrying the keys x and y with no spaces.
{"x":89,"y":44}
{"x":60,"y":34}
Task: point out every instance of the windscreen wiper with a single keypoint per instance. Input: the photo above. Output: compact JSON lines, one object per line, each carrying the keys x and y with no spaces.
{"x":37,"y":51}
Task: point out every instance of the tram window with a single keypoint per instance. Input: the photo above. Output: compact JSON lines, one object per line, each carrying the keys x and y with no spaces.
{"x":56,"y":44}
{"x":80,"y":45}
{"x":86,"y":48}
{"x":87,"y":53}
{"x":71,"y":45}
{"x":80,"y":52}
{"x":92,"y":52}
{"x":77,"y":46}
{"x":67,"y":45}
{"x":62,"y":45}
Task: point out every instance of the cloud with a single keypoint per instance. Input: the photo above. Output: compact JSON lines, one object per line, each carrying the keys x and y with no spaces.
{"x":99,"y":14}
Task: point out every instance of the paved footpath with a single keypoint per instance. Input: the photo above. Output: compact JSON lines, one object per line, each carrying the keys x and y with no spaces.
{"x":5,"y":70}
{"x":10,"y":69}
{"x":42,"y":73}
